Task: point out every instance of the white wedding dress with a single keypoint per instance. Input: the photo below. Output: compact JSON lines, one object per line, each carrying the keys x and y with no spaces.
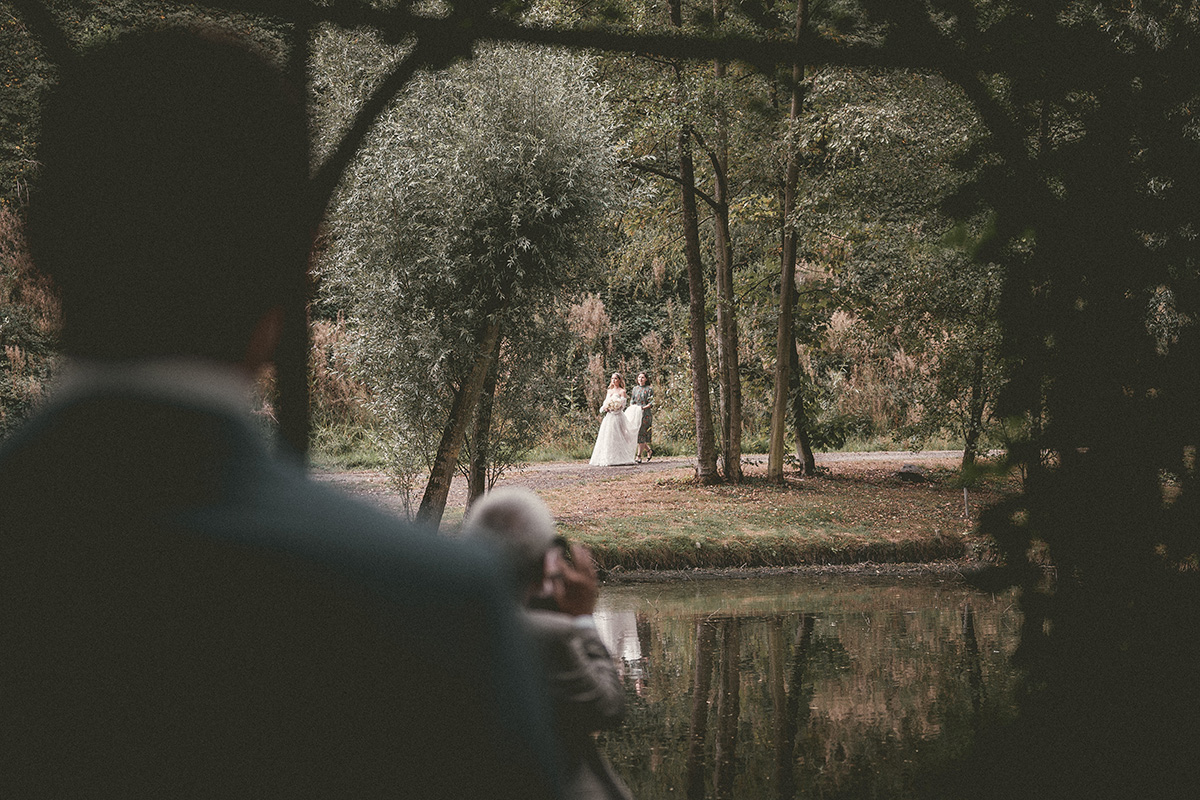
{"x":617,"y":441}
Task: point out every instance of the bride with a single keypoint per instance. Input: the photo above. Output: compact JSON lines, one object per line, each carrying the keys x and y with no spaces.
{"x":617,"y":441}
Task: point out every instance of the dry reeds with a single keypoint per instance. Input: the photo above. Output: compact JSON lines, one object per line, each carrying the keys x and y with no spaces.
{"x":31,"y":321}
{"x":337,"y":397}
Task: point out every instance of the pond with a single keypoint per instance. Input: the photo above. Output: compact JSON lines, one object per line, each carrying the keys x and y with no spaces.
{"x":804,"y":686}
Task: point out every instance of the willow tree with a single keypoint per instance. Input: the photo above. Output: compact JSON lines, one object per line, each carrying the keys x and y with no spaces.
{"x":478,"y":197}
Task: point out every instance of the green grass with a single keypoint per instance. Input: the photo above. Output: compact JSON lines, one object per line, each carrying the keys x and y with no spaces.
{"x":345,"y":447}
{"x":755,"y":538}
{"x":684,"y":545}
{"x":874,"y":444}
{"x":559,"y":451}
{"x":659,"y":521}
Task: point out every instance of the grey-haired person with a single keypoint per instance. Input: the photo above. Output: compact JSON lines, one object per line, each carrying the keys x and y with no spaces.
{"x":558,"y":586}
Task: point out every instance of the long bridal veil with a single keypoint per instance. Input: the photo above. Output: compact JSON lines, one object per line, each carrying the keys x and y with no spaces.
{"x":617,"y":441}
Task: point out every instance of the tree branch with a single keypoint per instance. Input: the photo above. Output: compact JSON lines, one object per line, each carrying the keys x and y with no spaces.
{"x":467,"y":20}
{"x":46,"y":31}
{"x":716,"y":165}
{"x":423,"y":56}
{"x":675,"y":179}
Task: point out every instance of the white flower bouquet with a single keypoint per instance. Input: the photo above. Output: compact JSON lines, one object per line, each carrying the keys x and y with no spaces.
{"x":612,"y":404}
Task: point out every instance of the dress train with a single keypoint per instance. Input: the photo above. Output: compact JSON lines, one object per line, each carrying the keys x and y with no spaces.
{"x":616,"y":443}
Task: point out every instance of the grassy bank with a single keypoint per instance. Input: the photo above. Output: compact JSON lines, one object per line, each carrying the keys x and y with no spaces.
{"x":851,"y":514}
{"x":636,"y":519}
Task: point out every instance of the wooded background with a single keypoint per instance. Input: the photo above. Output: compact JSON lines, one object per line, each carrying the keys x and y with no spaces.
{"x":807,"y":220}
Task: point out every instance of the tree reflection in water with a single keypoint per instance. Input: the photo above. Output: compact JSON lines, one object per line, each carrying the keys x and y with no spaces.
{"x":803,"y":687}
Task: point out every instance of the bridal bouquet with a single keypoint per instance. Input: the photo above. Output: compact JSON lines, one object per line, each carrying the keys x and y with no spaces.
{"x":612,"y":404}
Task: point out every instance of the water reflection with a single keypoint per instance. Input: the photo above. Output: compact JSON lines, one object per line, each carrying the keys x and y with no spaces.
{"x":804,"y":686}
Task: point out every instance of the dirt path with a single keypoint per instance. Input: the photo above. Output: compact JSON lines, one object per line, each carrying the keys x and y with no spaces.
{"x":374,"y":484}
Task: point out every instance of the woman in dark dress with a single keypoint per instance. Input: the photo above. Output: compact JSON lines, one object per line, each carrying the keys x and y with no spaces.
{"x":642,"y":395}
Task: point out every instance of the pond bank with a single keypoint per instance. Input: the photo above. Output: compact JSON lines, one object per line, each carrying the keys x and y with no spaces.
{"x":956,"y":568}
{"x":656,"y":517}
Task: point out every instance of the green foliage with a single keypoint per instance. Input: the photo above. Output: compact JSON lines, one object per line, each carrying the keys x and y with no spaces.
{"x":345,"y":446}
{"x":1089,"y":164}
{"x":879,"y":150}
{"x":1079,"y":232}
{"x":917,"y":339}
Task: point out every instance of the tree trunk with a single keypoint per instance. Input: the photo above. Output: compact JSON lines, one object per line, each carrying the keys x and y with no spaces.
{"x":783,"y":772}
{"x":481,"y":432}
{"x":785,"y":337}
{"x":706,"y":455}
{"x":973,"y":664}
{"x":727,"y":334}
{"x":675,"y":10}
{"x":727,"y":343}
{"x":974,"y":414}
{"x":295,"y":345}
{"x":291,"y":376}
{"x":800,"y":420}
{"x":976,"y":403}
{"x":433,"y":502}
{"x":720,"y":394}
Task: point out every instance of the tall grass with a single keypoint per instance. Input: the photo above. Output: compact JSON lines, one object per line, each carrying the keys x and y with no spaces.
{"x":343,"y":432}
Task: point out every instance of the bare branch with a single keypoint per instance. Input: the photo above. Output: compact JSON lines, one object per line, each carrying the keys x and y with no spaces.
{"x":675,"y":179}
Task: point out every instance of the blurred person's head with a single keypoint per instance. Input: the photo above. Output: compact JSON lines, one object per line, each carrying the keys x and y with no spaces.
{"x":170,"y":205}
{"x":520,"y":526}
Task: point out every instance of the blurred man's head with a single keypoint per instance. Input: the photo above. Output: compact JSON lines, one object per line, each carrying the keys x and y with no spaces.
{"x":521,"y":526}
{"x":170,"y":205}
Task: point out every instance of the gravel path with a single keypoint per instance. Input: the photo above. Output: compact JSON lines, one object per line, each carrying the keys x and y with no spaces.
{"x":374,"y":484}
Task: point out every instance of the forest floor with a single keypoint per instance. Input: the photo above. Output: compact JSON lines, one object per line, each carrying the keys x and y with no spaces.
{"x":856,"y":514}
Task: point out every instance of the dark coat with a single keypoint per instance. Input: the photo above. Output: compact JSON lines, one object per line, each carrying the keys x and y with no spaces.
{"x":183,"y":614}
{"x":588,"y":697}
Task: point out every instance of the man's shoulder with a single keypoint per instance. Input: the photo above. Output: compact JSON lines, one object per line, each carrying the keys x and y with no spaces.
{"x":289,"y":511}
{"x":211,"y":476}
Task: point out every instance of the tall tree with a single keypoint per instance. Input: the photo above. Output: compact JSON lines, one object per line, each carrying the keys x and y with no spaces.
{"x":727,"y":329}
{"x":706,"y":455}
{"x":881,"y":151}
{"x":481,"y":430}
{"x":785,"y":341}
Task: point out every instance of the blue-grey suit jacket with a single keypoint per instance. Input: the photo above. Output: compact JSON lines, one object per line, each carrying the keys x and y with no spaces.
{"x":184,"y":614}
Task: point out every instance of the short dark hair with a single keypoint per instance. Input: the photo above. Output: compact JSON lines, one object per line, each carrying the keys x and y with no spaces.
{"x":170,"y":205}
